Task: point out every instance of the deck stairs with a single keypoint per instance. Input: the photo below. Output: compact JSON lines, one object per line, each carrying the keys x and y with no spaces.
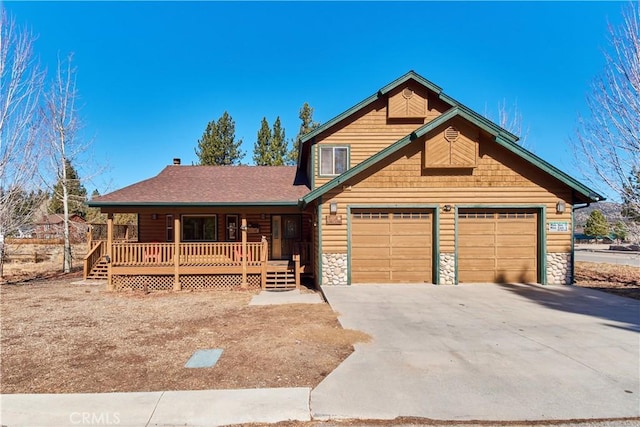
{"x":99,"y":271}
{"x":281,"y":276}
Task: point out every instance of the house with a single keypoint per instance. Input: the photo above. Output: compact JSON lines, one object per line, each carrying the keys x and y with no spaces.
{"x":408,"y":185}
{"x":52,"y":227}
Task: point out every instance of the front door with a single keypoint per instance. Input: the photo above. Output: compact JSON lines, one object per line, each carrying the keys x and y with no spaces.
{"x":285,"y":233}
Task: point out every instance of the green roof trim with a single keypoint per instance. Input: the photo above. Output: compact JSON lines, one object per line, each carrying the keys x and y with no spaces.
{"x":527,"y":155}
{"x":501,"y":136}
{"x":389,"y":87}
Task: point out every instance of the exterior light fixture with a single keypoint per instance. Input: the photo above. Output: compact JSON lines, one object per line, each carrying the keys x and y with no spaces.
{"x":154,"y":216}
{"x":561,"y":206}
{"x":333,"y":208}
{"x":447,"y":208}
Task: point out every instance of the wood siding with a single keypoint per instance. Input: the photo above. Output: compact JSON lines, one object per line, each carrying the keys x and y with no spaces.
{"x":371,"y":130}
{"x":500,"y":178}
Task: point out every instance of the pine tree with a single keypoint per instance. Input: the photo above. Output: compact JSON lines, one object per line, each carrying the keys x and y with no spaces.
{"x":278,"y":146}
{"x":270,"y":148}
{"x":76,"y":191}
{"x":306,"y":116}
{"x":218,"y":145}
{"x":620,"y":231}
{"x":597,"y":225}
{"x":261,"y":154}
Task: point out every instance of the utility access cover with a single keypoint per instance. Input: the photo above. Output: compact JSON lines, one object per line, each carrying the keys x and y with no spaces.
{"x":204,"y":358}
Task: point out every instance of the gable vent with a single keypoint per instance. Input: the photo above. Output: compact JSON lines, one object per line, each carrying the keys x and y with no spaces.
{"x":407,"y":93}
{"x":451,"y":134}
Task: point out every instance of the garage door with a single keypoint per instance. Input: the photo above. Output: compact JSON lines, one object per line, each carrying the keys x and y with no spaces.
{"x":391,"y":246}
{"x":497,"y":246}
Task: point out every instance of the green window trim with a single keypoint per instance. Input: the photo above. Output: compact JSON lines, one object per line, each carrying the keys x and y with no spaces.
{"x":336,"y":163}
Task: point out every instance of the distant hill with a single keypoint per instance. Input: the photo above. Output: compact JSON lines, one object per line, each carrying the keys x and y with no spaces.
{"x":610,"y":210}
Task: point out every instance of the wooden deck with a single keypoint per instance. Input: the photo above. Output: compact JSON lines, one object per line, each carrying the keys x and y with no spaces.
{"x":152,"y":265}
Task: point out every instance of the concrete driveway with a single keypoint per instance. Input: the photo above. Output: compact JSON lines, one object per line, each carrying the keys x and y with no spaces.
{"x":485,"y":352}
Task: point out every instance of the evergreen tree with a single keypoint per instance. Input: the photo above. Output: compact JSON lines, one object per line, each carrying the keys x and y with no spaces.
{"x":597,"y":225}
{"x":261,"y":155}
{"x":620,"y":231}
{"x":278,"y":146}
{"x":306,"y":116}
{"x":218,"y":145}
{"x":76,"y":191}
{"x":270,"y":148}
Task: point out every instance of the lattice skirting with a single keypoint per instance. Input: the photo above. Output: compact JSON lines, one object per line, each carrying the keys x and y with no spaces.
{"x":190,"y":282}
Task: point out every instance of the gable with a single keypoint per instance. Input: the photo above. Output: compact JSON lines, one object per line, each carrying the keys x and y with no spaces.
{"x":455,"y":146}
{"x":494,"y":134}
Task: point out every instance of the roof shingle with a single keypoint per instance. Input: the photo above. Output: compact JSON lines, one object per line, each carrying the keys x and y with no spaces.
{"x":211,"y":185}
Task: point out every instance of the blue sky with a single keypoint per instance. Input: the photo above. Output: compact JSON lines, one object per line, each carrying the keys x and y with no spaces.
{"x":152,"y":74}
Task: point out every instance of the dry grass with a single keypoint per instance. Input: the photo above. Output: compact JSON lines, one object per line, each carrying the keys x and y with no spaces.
{"x":59,"y":337}
{"x":623,"y":280}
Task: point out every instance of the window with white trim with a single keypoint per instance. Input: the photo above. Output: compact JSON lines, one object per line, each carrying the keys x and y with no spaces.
{"x":334,"y":160}
{"x":199,"y":228}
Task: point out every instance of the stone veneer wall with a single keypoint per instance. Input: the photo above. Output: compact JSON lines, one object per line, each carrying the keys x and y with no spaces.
{"x":559,"y":268}
{"x":447,"y":269}
{"x":334,"y":269}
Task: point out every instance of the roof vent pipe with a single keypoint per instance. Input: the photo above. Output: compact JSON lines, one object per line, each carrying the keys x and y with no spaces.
{"x":176,"y":161}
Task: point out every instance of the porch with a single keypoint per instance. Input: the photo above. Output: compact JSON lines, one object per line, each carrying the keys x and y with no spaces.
{"x":177,"y":265}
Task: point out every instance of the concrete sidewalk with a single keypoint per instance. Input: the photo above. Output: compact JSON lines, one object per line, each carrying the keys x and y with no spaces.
{"x":170,"y":408}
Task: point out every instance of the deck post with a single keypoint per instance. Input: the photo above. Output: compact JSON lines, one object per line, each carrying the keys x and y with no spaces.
{"x":296,"y":271}
{"x":243,"y":228}
{"x":264,"y":256}
{"x":110,"y":286}
{"x":176,"y":254}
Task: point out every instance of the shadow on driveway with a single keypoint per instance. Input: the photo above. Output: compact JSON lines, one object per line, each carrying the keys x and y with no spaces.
{"x":584,"y":301}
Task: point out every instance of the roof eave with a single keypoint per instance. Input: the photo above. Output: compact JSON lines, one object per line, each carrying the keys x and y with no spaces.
{"x":190,"y":204}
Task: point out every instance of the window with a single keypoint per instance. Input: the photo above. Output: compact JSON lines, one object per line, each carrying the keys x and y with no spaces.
{"x":232,"y":227}
{"x":333,"y":160}
{"x":197,"y":228}
{"x":169,"y":228}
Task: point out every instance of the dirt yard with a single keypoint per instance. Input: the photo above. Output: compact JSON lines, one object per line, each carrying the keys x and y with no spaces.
{"x":59,"y":337}
{"x":621,"y":280}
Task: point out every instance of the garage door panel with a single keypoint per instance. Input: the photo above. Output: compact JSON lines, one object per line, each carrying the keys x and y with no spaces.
{"x":372,"y":228}
{"x":370,"y":253}
{"x":497,"y":246}
{"x":476,"y":276}
{"x":478,"y":229}
{"x":406,"y":228}
{"x":396,"y":246}
{"x":374,"y":277}
{"x":412,"y":252}
{"x":410,"y":265}
{"x":373,"y":240}
{"x":409,"y":277}
{"x":410,"y":241}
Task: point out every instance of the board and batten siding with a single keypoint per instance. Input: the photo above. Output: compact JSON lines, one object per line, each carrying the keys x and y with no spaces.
{"x":370,"y":130}
{"x":500,"y":178}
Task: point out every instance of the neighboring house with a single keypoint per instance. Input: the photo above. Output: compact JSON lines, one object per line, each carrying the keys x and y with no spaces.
{"x":407,"y":186}
{"x":52,"y":227}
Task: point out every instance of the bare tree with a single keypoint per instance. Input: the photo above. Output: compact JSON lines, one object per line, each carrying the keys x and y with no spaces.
{"x":607,"y":141}
{"x":21,"y":82}
{"x":510,"y":118}
{"x":61,"y":125}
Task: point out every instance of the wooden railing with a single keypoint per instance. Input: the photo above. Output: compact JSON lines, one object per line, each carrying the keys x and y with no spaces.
{"x":142,"y":254}
{"x":220,"y":254}
{"x":94,"y":255}
{"x":190,"y":254}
